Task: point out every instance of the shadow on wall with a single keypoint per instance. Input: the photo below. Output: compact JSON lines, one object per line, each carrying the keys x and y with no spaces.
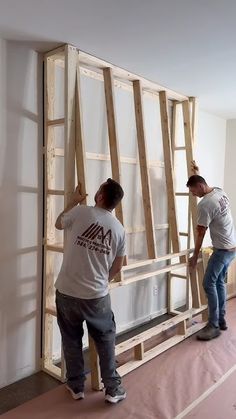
{"x":21,"y":214}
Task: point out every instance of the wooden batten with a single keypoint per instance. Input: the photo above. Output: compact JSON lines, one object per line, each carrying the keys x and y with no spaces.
{"x":143,"y":162}
{"x":172,"y":215}
{"x":49,"y":230}
{"x":112,"y":133}
{"x":79,"y":135}
{"x":93,"y":62}
{"x":189,"y":158}
{"x":71,"y":58}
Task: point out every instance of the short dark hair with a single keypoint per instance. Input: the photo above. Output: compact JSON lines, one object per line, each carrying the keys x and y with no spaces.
{"x":194,"y":180}
{"x":112,"y":193}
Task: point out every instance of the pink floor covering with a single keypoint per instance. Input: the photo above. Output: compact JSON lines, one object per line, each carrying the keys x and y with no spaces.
{"x":160,"y":389}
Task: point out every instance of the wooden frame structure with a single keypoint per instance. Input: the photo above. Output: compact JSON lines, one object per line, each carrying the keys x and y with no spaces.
{"x":76,"y":63}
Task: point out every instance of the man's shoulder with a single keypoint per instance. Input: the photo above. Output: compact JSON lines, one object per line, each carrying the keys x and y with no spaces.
{"x":85,"y":208}
{"x":211,"y":197}
{"x":79,"y":210}
{"x":217,"y":196}
{"x":219,"y":191}
{"x":206,"y":204}
{"x":118,"y":225}
{"x":211,"y":203}
{"x":202,"y":204}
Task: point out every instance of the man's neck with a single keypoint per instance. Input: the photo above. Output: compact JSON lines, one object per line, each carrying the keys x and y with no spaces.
{"x":208,"y":190}
{"x":102,"y":207}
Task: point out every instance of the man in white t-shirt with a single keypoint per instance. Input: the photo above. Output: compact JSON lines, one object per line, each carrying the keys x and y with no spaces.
{"x":93,"y":255}
{"x":213,"y":213}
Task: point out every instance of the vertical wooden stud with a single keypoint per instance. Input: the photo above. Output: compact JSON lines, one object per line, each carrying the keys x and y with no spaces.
{"x":189,"y":157}
{"x":181,"y":328}
{"x":81,"y":175}
{"x":145,"y":181}
{"x":79,"y":135}
{"x":192,"y":199}
{"x":112,"y":133}
{"x":172,"y":214}
{"x":71,"y":57}
{"x":95,"y":367}
{"x":49,"y":230}
{"x":113,"y":141}
{"x":139,"y":351}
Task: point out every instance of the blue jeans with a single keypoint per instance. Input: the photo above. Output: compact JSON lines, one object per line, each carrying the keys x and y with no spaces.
{"x":214,"y":284}
{"x":71,"y":313}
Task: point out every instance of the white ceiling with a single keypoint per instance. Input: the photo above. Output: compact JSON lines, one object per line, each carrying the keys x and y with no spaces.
{"x":187,"y":45}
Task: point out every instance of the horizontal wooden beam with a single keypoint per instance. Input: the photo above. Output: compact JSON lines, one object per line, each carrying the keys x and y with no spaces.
{"x":147,"y":275}
{"x":55,"y":54}
{"x":178,"y":276}
{"x":95,"y":72}
{"x":127,"y":160}
{"x":55,"y":192}
{"x":127,"y":86}
{"x":55,"y":122}
{"x":136,"y":278}
{"x":55,"y":248}
{"x":119,"y":84}
{"x":157,"y":350}
{"x":156,"y":330}
{"x":181,"y":194}
{"x":175,"y":312}
{"x":152,"y":353}
{"x":141,"y":229}
{"x":58,"y":247}
{"x":51,"y":310}
{"x":106,"y":157}
{"x":157,"y":260}
{"x":59,"y":152}
{"x":96,"y":63}
{"x":179,"y":148}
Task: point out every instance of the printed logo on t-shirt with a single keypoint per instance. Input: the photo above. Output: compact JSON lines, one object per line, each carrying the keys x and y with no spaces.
{"x":95,"y":238}
{"x":224,"y":203}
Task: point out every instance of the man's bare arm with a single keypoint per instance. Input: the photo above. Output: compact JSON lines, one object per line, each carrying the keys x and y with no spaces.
{"x":116,"y":267}
{"x":200,"y":236}
{"x":76,"y":199}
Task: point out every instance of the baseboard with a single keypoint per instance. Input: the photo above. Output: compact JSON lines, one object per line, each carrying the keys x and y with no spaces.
{"x":20,"y":375}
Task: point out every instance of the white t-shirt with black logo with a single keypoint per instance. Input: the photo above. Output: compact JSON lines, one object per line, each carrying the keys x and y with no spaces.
{"x":214,"y":212}
{"x":94,"y":239}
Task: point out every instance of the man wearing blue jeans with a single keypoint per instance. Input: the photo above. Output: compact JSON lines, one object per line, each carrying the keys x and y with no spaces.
{"x":213,"y":213}
{"x":93,"y":255}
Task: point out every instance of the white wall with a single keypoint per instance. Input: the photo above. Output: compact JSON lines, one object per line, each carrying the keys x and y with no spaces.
{"x":20,"y":211}
{"x":230,"y":172}
{"x":210,"y":148}
{"x":210,"y":151}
